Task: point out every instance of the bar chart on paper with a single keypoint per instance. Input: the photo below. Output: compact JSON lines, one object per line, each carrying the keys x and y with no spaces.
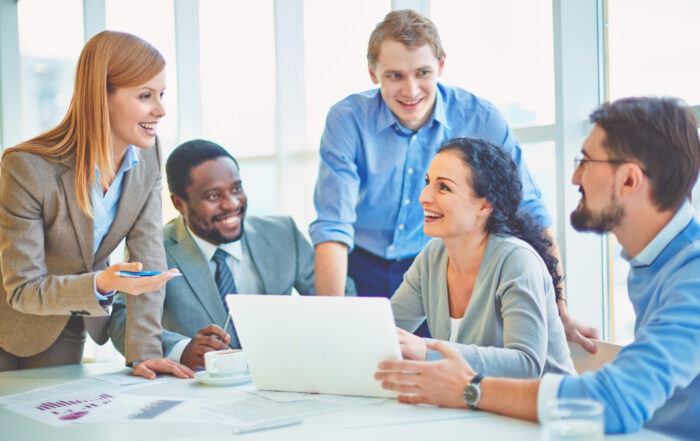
{"x":153,"y":409}
{"x":70,"y":410}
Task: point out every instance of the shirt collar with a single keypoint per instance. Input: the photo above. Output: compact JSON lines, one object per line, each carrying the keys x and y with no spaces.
{"x":129,"y":161}
{"x":386,"y":117}
{"x":679,"y":221}
{"x":235,"y":248}
{"x":439,"y":111}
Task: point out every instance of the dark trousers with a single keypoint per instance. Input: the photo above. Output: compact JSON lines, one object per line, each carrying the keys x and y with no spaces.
{"x":375,"y":276}
{"x":67,"y":349}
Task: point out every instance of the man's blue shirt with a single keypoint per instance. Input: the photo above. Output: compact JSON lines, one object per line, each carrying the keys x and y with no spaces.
{"x":104,"y":207}
{"x":656,"y":379}
{"x":373,"y":169}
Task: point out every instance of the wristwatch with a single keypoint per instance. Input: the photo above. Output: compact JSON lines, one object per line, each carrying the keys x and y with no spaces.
{"x":472,"y":392}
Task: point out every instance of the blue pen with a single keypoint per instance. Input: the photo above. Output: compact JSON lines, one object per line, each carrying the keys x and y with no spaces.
{"x":138,"y":273}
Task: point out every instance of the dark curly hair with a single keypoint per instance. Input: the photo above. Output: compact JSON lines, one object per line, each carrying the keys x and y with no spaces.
{"x":495,"y":177}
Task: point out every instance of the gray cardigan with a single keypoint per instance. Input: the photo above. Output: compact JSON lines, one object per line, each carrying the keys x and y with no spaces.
{"x":511,"y":327}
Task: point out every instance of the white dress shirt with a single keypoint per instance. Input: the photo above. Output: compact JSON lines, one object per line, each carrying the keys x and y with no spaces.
{"x":246,"y":277}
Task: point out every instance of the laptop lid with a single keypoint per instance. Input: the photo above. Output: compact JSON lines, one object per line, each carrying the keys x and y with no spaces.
{"x":321,"y":344}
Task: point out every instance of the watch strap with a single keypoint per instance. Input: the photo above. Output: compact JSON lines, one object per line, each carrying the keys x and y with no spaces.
{"x":472,"y":387}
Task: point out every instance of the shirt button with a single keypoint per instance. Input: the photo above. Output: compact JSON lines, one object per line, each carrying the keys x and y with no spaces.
{"x":401,"y":227}
{"x":410,"y":171}
{"x":391,"y":247}
{"x":406,"y":201}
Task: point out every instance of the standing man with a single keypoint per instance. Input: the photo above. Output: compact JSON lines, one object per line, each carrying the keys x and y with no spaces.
{"x":637,"y":169}
{"x":219,"y":251}
{"x":375,"y":151}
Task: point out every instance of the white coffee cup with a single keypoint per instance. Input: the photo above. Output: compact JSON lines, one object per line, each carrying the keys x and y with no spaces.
{"x":227,"y":362}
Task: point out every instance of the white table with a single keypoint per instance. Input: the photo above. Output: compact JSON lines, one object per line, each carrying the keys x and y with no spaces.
{"x":374,"y":422}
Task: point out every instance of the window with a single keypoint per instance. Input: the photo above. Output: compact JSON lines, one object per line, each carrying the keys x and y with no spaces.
{"x":237,"y":68}
{"x":501,"y":51}
{"x":335,"y":55}
{"x":651,"y":51}
{"x":49,"y":51}
{"x":154,"y":22}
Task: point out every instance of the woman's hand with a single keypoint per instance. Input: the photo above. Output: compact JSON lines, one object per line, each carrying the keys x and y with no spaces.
{"x":107,"y":281}
{"x":577,"y":331}
{"x":412,"y":346}
{"x":152,"y":366}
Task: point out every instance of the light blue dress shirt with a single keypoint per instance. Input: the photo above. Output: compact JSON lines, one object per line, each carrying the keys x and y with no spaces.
{"x":373,"y":169}
{"x":655,"y":380}
{"x":104,"y":207}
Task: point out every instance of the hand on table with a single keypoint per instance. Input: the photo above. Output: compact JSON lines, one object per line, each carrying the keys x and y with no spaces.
{"x":107,"y":281}
{"x":412,"y":346}
{"x":438,"y":382}
{"x":152,"y":366}
{"x":211,"y":338}
{"x":579,"y":332}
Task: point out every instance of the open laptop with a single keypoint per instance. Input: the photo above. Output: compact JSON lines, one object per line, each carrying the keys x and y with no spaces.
{"x":328,"y":345}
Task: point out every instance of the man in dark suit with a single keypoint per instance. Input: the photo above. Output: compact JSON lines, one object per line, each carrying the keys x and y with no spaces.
{"x":219,"y":251}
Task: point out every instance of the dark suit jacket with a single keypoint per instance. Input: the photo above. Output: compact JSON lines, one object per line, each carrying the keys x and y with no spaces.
{"x":47,"y":262}
{"x":280,"y":253}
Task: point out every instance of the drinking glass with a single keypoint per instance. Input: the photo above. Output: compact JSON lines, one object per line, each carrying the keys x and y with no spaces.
{"x":573,"y":420}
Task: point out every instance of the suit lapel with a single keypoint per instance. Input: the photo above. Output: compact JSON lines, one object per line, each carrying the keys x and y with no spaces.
{"x":132,"y":198}
{"x":262,"y":254}
{"x":84,"y":226}
{"x":195,"y":269}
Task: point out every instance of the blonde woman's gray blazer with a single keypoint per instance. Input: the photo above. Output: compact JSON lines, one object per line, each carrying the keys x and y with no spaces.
{"x":47,"y":263}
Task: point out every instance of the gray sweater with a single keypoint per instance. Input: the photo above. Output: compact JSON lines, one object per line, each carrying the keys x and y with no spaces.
{"x":511,"y":327}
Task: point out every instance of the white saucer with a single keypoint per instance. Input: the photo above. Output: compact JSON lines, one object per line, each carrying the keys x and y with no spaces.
{"x":232,"y":380}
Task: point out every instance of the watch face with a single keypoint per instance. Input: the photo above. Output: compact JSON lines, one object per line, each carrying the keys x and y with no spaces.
{"x":472,"y":393}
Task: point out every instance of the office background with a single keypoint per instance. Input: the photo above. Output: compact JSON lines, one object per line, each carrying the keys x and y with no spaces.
{"x":258,"y":76}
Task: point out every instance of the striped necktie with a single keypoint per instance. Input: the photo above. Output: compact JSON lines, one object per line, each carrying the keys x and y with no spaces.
{"x":223,"y":277}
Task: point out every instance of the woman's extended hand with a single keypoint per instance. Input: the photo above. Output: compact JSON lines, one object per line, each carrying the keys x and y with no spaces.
{"x":107,"y":281}
{"x":412,"y":346}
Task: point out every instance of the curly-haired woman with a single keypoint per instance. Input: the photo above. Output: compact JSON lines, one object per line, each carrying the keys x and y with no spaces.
{"x":487,"y":284}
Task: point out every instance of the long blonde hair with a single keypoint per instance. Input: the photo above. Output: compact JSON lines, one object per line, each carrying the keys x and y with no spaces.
{"x":109,"y":60}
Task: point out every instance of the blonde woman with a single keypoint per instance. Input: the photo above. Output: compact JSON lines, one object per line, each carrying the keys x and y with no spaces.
{"x":68,"y":197}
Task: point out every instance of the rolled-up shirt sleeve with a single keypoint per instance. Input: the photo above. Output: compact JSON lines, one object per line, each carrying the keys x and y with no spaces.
{"x":548,"y":392}
{"x":338,"y":184}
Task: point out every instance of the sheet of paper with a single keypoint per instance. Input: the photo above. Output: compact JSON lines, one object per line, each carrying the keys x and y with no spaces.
{"x":76,"y":400}
{"x":130,"y":408}
{"x":101,"y":399}
{"x":391,"y":412}
{"x":87,"y":385}
{"x":65,"y":403}
{"x":287,"y":397}
{"x":257,"y":412}
{"x":125,"y":379}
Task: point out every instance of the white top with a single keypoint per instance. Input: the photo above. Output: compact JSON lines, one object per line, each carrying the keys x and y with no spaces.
{"x":454,"y":328}
{"x":244,"y":273}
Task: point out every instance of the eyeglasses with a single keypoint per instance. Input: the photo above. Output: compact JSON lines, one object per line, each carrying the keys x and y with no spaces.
{"x":580,"y":160}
